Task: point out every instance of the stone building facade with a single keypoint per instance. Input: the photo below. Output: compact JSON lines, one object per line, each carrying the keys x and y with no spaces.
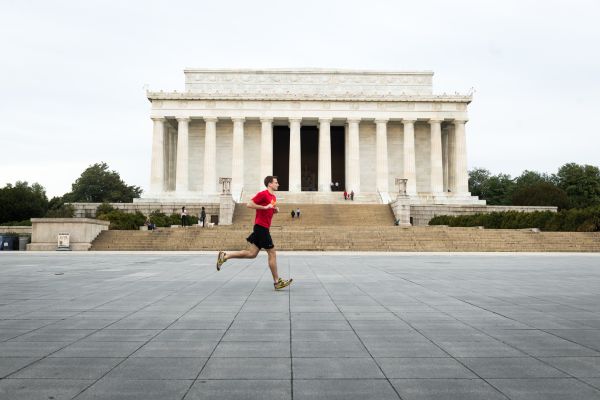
{"x":311,"y":128}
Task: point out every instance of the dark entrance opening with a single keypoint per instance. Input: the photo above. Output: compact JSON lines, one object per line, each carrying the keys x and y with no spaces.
{"x":338,"y":157}
{"x":281,"y":156}
{"x":309,"y":154}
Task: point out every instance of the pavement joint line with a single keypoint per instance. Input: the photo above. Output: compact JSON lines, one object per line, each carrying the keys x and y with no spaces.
{"x":86,"y":336}
{"x":308,"y":253}
{"x":162,"y":330}
{"x":495,"y":338}
{"x":430,"y":340}
{"x":229,"y":326}
{"x":354,"y":330}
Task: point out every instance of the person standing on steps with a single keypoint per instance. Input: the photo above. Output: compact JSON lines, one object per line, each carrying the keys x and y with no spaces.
{"x":183,"y":217}
{"x":265,"y":205}
{"x":203,"y":216}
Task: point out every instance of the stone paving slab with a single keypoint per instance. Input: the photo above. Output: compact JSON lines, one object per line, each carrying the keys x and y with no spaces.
{"x":352,"y":326}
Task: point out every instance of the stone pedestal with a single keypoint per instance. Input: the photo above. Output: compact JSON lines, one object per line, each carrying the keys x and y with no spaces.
{"x":226,"y":209}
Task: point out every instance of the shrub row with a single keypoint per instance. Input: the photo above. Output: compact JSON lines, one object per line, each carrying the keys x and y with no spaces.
{"x":573,"y":220}
{"x":121,"y":220}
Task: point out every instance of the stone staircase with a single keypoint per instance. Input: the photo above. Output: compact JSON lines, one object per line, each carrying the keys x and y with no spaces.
{"x":346,"y":227}
{"x":321,"y":215}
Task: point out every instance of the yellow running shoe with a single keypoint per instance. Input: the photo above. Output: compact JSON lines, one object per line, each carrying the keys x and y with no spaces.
{"x":281,"y":283}
{"x":220,"y":260}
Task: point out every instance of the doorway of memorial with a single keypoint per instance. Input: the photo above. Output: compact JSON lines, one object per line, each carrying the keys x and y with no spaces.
{"x":338,"y":158}
{"x":309,"y":154}
{"x":281,"y":156}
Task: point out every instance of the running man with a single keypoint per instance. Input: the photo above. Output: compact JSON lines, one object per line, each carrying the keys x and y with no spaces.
{"x":265,"y":205}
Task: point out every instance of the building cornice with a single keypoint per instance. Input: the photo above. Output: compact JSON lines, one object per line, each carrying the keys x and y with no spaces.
{"x":443,"y":98}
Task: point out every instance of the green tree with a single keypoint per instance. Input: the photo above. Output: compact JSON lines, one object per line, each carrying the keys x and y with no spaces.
{"x":98,"y":185}
{"x":22,"y":202}
{"x":581,"y":183}
{"x":495,"y":189}
{"x":530,"y":178}
{"x":541,"y":194}
{"x":478,"y":177}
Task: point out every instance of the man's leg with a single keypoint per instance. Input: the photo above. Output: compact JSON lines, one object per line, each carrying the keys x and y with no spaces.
{"x":273,"y":264}
{"x":251,"y":252}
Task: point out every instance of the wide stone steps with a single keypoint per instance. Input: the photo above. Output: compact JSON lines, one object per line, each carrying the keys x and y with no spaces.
{"x":318,"y":215}
{"x":353,"y":238}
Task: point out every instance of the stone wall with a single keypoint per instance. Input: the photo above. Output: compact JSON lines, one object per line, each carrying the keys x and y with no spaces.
{"x":422,"y":214}
{"x":15,"y":229}
{"x":82,"y":232}
{"x":88,"y":210}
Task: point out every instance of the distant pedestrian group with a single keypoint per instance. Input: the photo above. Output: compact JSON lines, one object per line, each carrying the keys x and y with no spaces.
{"x":349,"y":196}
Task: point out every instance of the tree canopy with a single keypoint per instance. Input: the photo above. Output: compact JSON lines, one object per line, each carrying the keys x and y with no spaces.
{"x":22,"y":201}
{"x":97,"y":184}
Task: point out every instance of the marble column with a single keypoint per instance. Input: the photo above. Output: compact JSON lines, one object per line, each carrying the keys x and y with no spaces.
{"x":410,"y":165}
{"x":237,"y":159}
{"x":381,"y":152}
{"x":461,"y":176}
{"x":266,"y":150}
{"x":182,"y":174}
{"x":324,"y":155}
{"x":157,"y":168}
{"x":171,"y":158}
{"x":353,"y":161}
{"x":451,"y":158}
{"x":445,"y":135}
{"x":295,"y":172}
{"x":436,"y":177}
{"x":210,"y":156}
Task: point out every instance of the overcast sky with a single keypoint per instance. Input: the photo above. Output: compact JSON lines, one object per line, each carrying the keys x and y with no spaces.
{"x":73,"y":73}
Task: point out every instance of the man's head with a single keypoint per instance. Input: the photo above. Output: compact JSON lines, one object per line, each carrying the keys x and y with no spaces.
{"x":271,"y":182}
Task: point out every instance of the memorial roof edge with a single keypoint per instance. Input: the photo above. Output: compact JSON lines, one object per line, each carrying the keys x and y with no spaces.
{"x":305,"y":71}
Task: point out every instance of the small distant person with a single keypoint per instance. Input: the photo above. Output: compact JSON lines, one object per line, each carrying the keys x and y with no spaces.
{"x":293,"y":214}
{"x":345,"y":195}
{"x":203,"y":216}
{"x":183,"y":216}
{"x":337,"y":186}
{"x":352,"y":195}
{"x":265,"y":205}
{"x":149,"y":224}
{"x":332,"y":186}
{"x":298,"y":212}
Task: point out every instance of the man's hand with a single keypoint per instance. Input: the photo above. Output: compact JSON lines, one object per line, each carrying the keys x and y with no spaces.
{"x":275,"y":210}
{"x":268,"y":206}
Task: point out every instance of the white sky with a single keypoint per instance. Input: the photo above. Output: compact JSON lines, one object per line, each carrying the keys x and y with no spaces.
{"x":72,"y":73}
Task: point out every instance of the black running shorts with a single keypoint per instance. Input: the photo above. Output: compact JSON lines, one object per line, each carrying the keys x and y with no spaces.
{"x":261,"y":238}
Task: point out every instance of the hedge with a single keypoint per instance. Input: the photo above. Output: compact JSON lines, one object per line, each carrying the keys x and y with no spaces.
{"x":573,"y":220}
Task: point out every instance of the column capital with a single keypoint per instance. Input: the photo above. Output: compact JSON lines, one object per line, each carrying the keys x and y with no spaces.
{"x":183,"y":119}
{"x":353,"y":120}
{"x":408,"y":121}
{"x":210,"y":119}
{"x":381,"y":120}
{"x":266,"y":120}
{"x":238,"y":119}
{"x":435,"y":121}
{"x":326,"y":120}
{"x":295,"y":119}
{"x":158,"y":119}
{"x":460,"y":121}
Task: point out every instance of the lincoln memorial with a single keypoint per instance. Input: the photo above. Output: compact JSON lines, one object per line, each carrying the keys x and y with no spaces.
{"x":310,"y":127}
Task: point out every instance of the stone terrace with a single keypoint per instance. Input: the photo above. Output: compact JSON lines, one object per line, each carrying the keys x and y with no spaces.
{"x":352,"y":326}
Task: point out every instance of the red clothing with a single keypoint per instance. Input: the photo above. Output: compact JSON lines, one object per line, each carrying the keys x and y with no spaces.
{"x":264,"y":217}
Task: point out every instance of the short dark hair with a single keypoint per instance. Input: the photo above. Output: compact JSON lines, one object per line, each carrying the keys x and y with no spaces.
{"x":269,"y":179}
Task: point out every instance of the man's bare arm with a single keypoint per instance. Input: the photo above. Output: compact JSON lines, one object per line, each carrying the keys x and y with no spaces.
{"x":255,"y":206}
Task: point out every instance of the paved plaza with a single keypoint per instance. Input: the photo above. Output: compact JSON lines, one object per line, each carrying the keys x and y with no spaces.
{"x":353,"y":326}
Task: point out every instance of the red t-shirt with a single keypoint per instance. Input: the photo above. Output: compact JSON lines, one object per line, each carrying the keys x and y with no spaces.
{"x":264,"y":217}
